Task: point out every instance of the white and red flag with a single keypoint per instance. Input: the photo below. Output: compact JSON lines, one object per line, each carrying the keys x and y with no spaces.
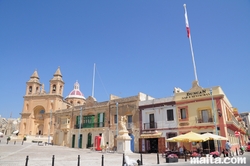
{"x":187,"y":25}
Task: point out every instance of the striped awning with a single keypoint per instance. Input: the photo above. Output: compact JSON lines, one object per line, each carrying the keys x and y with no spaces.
{"x":151,"y":135}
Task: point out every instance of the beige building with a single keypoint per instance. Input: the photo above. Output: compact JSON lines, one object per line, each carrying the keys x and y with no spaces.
{"x":75,"y":121}
{"x":37,"y":117}
{"x":78,"y":126}
{"x":204,"y":110}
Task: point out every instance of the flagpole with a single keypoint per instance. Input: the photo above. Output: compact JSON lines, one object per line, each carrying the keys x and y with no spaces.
{"x":190,"y":41}
{"x":93,"y":86}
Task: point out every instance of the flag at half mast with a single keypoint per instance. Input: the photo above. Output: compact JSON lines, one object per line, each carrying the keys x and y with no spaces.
{"x":186,"y":19}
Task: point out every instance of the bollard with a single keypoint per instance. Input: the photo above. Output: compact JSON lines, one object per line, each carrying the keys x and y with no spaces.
{"x":22,"y":142}
{"x":141,"y":160}
{"x":102,"y":160}
{"x":78,"y":160}
{"x":14,"y":142}
{"x":158,"y":162}
{"x":27,"y":159}
{"x":0,"y":141}
{"x":236,"y":151}
{"x":7,"y":141}
{"x":53,"y":160}
{"x":186,"y":157}
{"x":123,"y":159}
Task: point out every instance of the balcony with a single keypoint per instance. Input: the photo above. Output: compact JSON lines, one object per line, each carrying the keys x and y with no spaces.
{"x":65,"y":126}
{"x":129,"y":125}
{"x":90,"y":125}
{"x":147,"y":126}
{"x":200,"y":120}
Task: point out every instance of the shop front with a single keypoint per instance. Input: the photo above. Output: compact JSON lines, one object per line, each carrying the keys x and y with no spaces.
{"x":152,"y":143}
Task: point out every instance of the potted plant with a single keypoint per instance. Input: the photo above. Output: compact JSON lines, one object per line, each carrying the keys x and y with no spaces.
{"x":171,"y":158}
{"x":195,"y":154}
{"x":24,"y":138}
{"x":215,"y":154}
{"x":8,"y":139}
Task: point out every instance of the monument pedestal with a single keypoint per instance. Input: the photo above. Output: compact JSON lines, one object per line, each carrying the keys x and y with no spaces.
{"x":123,"y":142}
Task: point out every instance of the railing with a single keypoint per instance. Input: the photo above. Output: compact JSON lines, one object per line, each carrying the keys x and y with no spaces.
{"x":129,"y":125}
{"x":65,"y":126}
{"x":90,"y":125}
{"x":205,"y":121}
{"x":152,"y":125}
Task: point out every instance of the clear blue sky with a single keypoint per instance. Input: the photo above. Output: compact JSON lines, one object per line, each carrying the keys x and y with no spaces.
{"x":138,"y":46}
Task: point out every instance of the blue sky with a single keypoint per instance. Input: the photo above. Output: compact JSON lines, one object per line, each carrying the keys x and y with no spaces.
{"x":138,"y":46}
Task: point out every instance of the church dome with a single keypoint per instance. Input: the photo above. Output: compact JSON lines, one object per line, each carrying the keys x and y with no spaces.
{"x":76,"y":93}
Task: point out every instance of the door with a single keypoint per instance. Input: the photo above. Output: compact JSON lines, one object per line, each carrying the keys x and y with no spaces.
{"x":132,"y":142}
{"x":80,"y":141}
{"x":89,"y":143}
{"x":151,"y":121}
{"x":73,"y":140}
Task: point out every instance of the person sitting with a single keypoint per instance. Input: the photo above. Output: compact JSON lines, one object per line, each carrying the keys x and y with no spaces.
{"x":198,"y":147}
{"x":181,"y":151}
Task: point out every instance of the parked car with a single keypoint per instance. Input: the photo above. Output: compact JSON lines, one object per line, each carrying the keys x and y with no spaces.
{"x":248,"y":147}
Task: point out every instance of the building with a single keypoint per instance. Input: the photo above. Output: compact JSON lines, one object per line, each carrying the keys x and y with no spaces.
{"x":37,"y":117}
{"x":208,"y":110}
{"x":246,"y":118}
{"x":78,"y":126}
{"x":159,"y":122}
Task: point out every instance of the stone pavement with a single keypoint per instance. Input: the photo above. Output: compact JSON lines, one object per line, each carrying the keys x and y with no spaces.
{"x":15,"y":154}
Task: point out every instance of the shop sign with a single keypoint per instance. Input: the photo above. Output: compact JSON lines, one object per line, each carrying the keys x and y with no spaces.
{"x":201,"y":93}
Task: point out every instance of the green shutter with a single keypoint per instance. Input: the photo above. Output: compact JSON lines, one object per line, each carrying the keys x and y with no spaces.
{"x":103,"y":121}
{"x":98,"y":119}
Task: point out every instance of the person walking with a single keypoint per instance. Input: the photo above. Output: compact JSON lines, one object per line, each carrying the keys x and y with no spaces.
{"x":228,"y":148}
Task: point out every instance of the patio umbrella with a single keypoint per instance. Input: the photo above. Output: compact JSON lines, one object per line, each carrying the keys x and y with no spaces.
{"x":188,"y":137}
{"x":211,"y":136}
{"x":102,"y":142}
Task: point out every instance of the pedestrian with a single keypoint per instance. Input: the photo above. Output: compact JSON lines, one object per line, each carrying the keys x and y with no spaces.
{"x":228,"y":148}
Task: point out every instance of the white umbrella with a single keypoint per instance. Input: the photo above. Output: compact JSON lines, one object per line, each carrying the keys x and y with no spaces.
{"x":102,"y":142}
{"x":214,"y":136}
{"x":1,"y":133}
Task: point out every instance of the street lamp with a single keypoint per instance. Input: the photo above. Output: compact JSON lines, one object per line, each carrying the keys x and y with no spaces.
{"x":50,"y":120}
{"x":215,"y":125}
{"x":117,"y":119}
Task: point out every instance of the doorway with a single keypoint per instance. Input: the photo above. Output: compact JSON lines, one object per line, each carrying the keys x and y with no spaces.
{"x":89,"y":143}
{"x":73,"y":140}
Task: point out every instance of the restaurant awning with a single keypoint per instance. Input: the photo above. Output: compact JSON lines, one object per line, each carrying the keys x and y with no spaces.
{"x":151,"y":135}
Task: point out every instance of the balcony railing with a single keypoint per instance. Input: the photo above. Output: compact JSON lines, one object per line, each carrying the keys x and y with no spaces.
{"x":200,"y":120}
{"x":147,"y":126}
{"x":129,"y":125}
{"x":65,"y":126}
{"x":90,"y":125}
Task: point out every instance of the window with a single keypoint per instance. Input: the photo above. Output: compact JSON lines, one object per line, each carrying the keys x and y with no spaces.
{"x":101,"y":118}
{"x":115,"y":119}
{"x":129,"y":117}
{"x":54,"y":88}
{"x":170,"y":115}
{"x":30,"y":89}
{"x":204,"y":116}
{"x":183,"y":113}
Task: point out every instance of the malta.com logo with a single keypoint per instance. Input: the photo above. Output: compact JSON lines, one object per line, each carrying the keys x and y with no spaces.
{"x":209,"y":159}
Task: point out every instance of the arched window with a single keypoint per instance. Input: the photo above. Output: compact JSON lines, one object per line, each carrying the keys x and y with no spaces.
{"x":30,"y":89}
{"x":54,"y":88}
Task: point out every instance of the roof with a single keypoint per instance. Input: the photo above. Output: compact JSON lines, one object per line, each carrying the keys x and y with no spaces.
{"x":76,"y":93}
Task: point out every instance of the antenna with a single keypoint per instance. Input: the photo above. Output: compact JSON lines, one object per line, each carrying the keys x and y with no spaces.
{"x":93,"y":85}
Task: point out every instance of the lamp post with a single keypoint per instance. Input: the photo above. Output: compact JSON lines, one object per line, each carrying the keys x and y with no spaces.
{"x":214,"y":112}
{"x":117,"y":119}
{"x":50,"y":120}
{"x":80,"y":125}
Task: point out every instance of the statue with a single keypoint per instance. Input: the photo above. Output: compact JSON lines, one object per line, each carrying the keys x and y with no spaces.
{"x":123,"y":123}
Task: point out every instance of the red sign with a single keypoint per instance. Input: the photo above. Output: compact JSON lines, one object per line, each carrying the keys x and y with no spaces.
{"x":237,"y":134}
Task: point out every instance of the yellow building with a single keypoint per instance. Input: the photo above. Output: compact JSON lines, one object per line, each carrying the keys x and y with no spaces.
{"x":204,"y":110}
{"x":38,"y":109}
